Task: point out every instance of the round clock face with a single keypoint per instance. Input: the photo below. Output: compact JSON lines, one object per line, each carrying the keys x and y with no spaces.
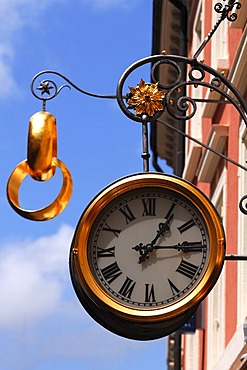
{"x":149,"y":245}
{"x":148,"y":248}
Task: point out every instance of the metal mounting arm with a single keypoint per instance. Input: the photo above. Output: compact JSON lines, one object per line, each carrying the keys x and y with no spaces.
{"x":146,"y":102}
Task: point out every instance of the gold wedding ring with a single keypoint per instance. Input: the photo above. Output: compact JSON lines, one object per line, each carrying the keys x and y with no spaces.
{"x":42,"y":146}
{"x":46,"y":213}
{"x":41,"y":165}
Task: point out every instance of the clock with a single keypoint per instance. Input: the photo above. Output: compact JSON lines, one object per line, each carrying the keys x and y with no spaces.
{"x":146,"y":251}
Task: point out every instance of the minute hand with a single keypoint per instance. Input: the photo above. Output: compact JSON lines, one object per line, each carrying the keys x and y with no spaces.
{"x":163,"y":227}
{"x":184,"y":247}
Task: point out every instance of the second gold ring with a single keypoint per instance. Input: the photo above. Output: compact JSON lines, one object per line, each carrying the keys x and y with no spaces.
{"x":48,"y":212}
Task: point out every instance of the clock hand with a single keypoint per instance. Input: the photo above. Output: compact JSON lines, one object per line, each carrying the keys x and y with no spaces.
{"x":184,"y":247}
{"x":145,"y":250}
{"x":142,"y":249}
{"x":163,"y":227}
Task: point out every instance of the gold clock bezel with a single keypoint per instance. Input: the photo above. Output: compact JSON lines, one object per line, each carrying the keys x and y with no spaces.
{"x":204,"y":284}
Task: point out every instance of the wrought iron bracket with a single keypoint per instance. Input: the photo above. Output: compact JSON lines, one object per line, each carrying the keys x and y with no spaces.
{"x":175,"y":101}
{"x":234,"y":257}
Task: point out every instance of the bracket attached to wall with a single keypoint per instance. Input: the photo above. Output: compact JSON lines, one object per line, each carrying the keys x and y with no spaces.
{"x":143,"y":103}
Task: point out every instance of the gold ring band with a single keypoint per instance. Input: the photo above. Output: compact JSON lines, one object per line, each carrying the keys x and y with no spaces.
{"x":48,"y":212}
{"x":42,"y":146}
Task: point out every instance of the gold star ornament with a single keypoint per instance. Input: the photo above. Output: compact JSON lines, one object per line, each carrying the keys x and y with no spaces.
{"x":146,"y":99}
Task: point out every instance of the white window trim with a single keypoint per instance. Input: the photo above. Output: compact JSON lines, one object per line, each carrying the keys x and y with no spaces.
{"x":242,"y":228}
{"x":232,"y":350}
{"x":209,"y":161}
{"x":192,"y":162}
{"x":216,"y":299}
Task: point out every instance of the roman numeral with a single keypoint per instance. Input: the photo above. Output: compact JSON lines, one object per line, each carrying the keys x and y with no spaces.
{"x":170,"y":211}
{"x":116,"y":232}
{"x":126,"y":211}
{"x":111,"y":272}
{"x":127,"y":288}
{"x":149,"y":293}
{"x":173,"y":287}
{"x":107,"y":252}
{"x":186,"y":226}
{"x":187,"y":269}
{"x":149,"y":207}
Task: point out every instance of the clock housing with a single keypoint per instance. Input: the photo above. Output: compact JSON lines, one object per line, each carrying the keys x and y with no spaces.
{"x":126,"y":267}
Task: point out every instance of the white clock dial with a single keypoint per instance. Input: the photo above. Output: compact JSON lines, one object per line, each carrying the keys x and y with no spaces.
{"x":149,"y":248}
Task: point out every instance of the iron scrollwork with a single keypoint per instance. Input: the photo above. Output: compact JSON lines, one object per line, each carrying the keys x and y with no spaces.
{"x":182,"y":107}
{"x":226,"y":10}
{"x":185,"y":107}
{"x":48,"y":89}
{"x":243,"y":204}
{"x":178,"y":106}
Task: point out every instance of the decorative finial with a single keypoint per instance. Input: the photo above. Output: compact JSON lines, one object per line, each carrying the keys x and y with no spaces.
{"x":146,"y":99}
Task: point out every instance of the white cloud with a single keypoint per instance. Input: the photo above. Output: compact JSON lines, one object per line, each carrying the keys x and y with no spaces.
{"x":40,"y":314}
{"x":14,"y":16}
{"x":6,"y":78}
{"x":32,"y":273}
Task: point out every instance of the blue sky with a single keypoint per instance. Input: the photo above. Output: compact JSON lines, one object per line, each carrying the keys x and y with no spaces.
{"x":42,"y":324}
